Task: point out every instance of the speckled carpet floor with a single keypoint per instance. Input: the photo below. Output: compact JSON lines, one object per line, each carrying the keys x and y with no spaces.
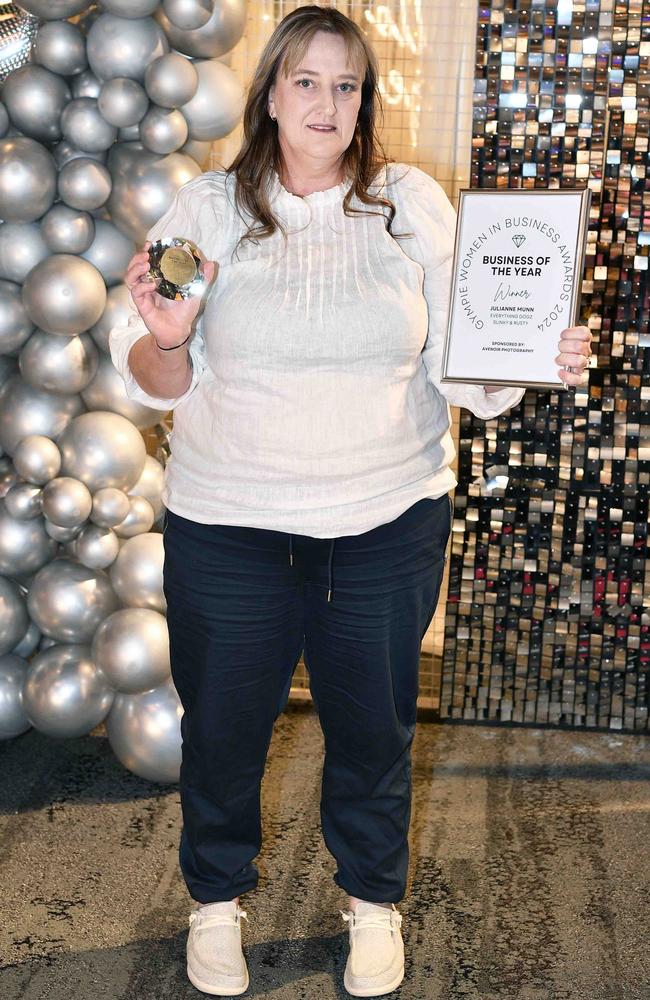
{"x":529,"y":875}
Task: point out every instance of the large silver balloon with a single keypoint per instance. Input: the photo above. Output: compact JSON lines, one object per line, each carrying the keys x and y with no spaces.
{"x":13,"y":718}
{"x":35,"y":99}
{"x":25,"y":410}
{"x":117,"y":312}
{"x":96,"y":547}
{"x":110,"y":506}
{"x":171,"y":80}
{"x":130,"y":8}
{"x":59,"y":364}
{"x":54,"y":10}
{"x":120,"y":46}
{"x":27,"y":179}
{"x":163,"y":130}
{"x":66,"y":502}
{"x":83,"y":125}
{"x":218,"y":103}
{"x":144,"y":186}
{"x":102,"y":449}
{"x":22,"y":247}
{"x":150,"y":485}
{"x":144,"y":732}
{"x":123,"y":101}
{"x":68,"y":601}
{"x":137,"y":573}
{"x":139,"y":519}
{"x":188,"y":14}
{"x":37,"y":459}
{"x":64,"y":294}
{"x":24,"y":501}
{"x":84,"y":183}
{"x":218,"y":35}
{"x":65,"y":694}
{"x":15,"y":324}
{"x":17,"y":32}
{"x":132,"y":648}
{"x":24,"y":545}
{"x":199,"y":151}
{"x":86,"y":84}
{"x":61,"y":47}
{"x":13,"y":616}
{"x":110,"y":252}
{"x":28,"y":643}
{"x":64,"y":230}
{"x":108,"y":392}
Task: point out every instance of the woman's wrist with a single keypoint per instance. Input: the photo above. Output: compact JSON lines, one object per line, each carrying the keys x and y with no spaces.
{"x":172,"y":353}
{"x":172,"y":347}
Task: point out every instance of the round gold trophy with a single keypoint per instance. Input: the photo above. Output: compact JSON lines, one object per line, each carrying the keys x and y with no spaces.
{"x":176,"y":263}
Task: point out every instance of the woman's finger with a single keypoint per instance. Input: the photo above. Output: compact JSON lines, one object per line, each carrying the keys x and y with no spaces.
{"x":571,"y":359}
{"x":580,"y":347}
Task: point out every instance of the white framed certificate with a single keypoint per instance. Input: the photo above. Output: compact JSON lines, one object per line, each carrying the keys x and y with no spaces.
{"x":516,"y":278}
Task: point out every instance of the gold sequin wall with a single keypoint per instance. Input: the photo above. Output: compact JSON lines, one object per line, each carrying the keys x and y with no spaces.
{"x":547,"y":618}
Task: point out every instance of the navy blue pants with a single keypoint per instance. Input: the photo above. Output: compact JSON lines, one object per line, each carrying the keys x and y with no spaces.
{"x":243,"y":605}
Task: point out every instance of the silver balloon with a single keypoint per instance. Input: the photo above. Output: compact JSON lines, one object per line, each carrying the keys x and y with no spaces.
{"x":102,"y":449}
{"x":59,"y":364}
{"x":188,"y":14}
{"x":64,"y":230}
{"x":110,"y":252}
{"x":61,"y":47}
{"x":150,"y":485}
{"x":4,"y":119}
{"x":130,"y":8}
{"x":119,"y":46}
{"x":132,"y":648}
{"x":108,"y":392}
{"x":35,"y":99}
{"x":218,"y":35}
{"x":37,"y":459}
{"x":218,"y":103}
{"x":110,"y":507}
{"x":62,"y":535}
{"x":17,"y":32}
{"x":64,"y":294}
{"x":22,"y":247}
{"x":84,"y":183}
{"x":24,"y":501}
{"x":64,"y":151}
{"x":68,"y":601}
{"x":13,"y":616}
{"x":171,"y":80}
{"x":29,"y":642}
{"x":163,"y":130}
{"x":144,"y":186}
{"x":123,"y":101}
{"x":199,"y":151}
{"x":15,"y":324}
{"x":96,"y":547}
{"x":137,"y":573}
{"x":25,"y":410}
{"x":8,"y":367}
{"x":139,"y":519}
{"x":54,"y":10}
{"x":27,"y":179}
{"x":66,"y":502}
{"x":130,"y":133}
{"x":117,"y":312}
{"x":144,"y":732}
{"x":82,"y":124}
{"x":86,"y":84}
{"x":24,"y":545}
{"x":13,"y":718}
{"x":8,"y":479}
{"x":65,"y":693}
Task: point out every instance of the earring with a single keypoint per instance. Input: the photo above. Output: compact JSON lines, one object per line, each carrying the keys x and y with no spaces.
{"x":273,"y":118}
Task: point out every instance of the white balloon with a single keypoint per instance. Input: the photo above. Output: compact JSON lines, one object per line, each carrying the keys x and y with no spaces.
{"x":103,"y":449}
{"x":218,"y":103}
{"x":65,"y":694}
{"x":171,"y":80}
{"x":131,"y":646}
{"x":64,"y":294}
{"x":144,"y":732}
{"x":13,"y":718}
{"x":68,"y":601}
{"x":37,"y":459}
{"x":137,"y":573}
{"x":22,"y":247}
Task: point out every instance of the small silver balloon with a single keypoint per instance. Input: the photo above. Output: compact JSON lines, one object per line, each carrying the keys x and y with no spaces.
{"x":144,"y":186}
{"x":218,"y":35}
{"x":62,"y":535}
{"x":68,"y":601}
{"x":132,"y":648}
{"x":150,"y":485}
{"x":15,"y":324}
{"x":65,"y":230}
{"x":123,"y":101}
{"x":64,"y":294}
{"x":110,"y":252}
{"x":59,"y":364}
{"x":24,"y":545}
{"x":37,"y":459}
{"x":163,"y":130}
{"x":54,"y":10}
{"x":144,"y":732}
{"x":116,"y":312}
{"x":119,"y":46}
{"x":64,"y":152}
{"x":35,"y":99}
{"x":218,"y":103}
{"x":22,"y":247}
{"x":27,"y":179}
{"x":130,"y":133}
{"x":29,"y":642}
{"x":13,"y":718}
{"x":137,"y":573}
{"x":65,"y":693}
{"x":171,"y":80}
{"x":8,"y":479}
{"x":13,"y":616}
{"x":66,"y":502}
{"x":24,"y":501}
{"x":61,"y":47}
{"x":188,"y":14}
{"x":86,"y":84}
{"x":130,"y":8}
{"x":84,"y":183}
{"x":108,"y":392}
{"x":96,"y":547}
{"x":25,"y":410}
{"x":83,"y":125}
{"x":102,"y":449}
{"x":110,"y":507}
{"x":139,"y":519}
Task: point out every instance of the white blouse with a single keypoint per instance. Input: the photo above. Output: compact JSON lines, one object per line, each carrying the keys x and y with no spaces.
{"x":315,"y":405}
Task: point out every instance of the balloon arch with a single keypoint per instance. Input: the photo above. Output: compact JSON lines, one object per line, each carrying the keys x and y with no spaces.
{"x":105,"y":111}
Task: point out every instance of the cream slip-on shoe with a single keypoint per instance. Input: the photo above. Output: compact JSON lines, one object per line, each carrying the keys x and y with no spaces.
{"x":375,"y":964}
{"x":215,"y":960}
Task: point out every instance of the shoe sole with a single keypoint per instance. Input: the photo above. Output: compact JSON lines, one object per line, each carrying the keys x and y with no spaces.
{"x":216,"y":991}
{"x":373,"y":991}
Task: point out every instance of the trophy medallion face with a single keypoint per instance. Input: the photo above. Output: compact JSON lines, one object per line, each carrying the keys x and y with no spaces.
{"x":178,"y":266}
{"x":176,"y":263}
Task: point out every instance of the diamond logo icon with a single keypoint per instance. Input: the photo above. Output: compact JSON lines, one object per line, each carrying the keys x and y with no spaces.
{"x":518,"y":239}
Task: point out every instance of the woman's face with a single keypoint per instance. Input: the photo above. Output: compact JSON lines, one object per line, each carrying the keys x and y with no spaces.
{"x":323,"y":90}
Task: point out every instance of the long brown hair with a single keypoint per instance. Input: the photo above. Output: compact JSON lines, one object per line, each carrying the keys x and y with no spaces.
{"x":260,"y":153}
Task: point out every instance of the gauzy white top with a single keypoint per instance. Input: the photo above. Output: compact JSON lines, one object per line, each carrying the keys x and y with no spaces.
{"x":315,"y":405}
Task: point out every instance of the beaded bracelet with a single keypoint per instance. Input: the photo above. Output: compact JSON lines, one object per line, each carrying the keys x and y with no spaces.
{"x":173,"y":348}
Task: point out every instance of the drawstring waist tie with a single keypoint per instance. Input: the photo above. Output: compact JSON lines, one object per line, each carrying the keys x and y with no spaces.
{"x":330,"y":585}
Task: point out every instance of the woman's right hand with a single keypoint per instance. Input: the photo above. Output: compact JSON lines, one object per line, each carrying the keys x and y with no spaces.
{"x":169,"y":321}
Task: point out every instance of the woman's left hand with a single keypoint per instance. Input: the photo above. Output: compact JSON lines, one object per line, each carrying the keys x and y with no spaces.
{"x":575,"y":351}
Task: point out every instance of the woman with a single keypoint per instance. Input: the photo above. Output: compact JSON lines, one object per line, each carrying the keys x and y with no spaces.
{"x":307,"y":492}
